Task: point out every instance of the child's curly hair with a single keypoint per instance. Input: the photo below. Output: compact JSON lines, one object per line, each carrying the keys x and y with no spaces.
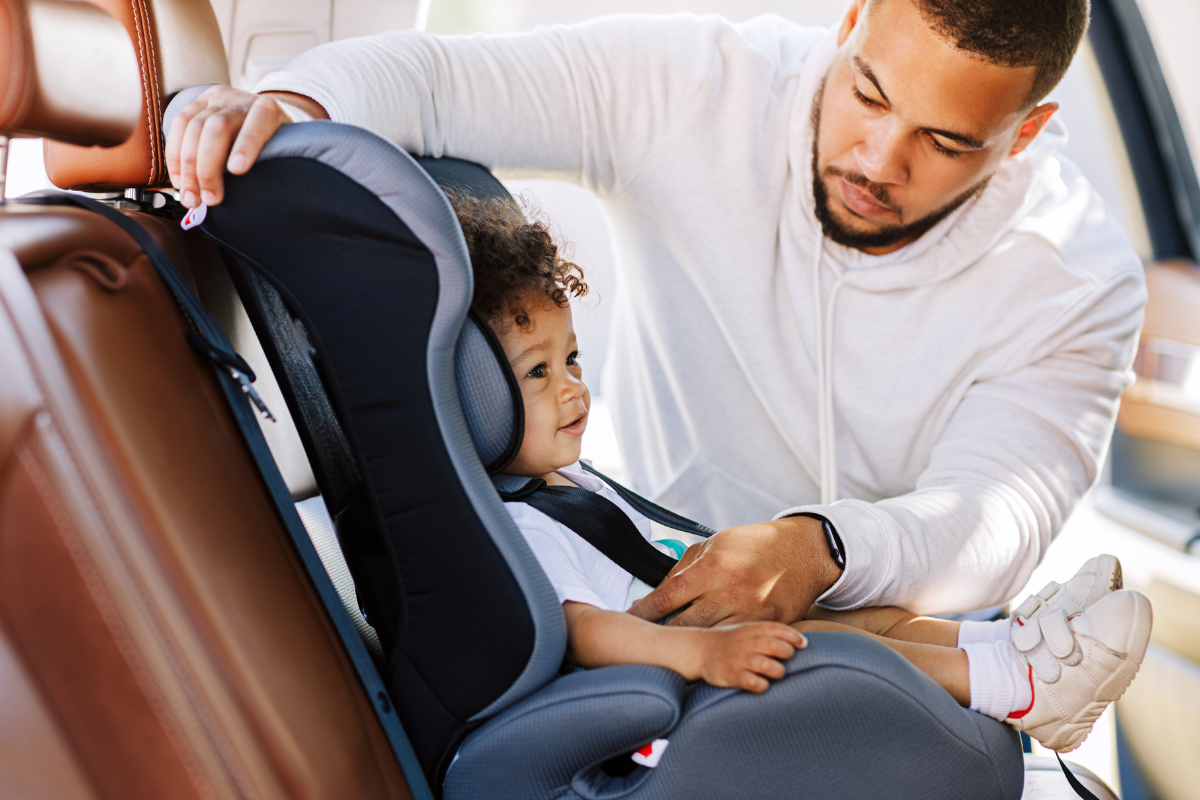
{"x":512,"y":257}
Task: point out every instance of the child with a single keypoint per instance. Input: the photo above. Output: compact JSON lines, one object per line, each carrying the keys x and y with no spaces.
{"x":1050,"y":669}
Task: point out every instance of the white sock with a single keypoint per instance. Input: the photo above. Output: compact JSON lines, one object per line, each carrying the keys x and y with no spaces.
{"x":970,"y":632}
{"x":999,"y":685}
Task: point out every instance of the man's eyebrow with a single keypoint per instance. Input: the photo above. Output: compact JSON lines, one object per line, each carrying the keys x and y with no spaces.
{"x":862,"y":67}
{"x":961,"y":138}
{"x":966,"y":140}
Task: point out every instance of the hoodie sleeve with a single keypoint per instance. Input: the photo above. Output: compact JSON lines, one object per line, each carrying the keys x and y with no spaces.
{"x":586,"y":103}
{"x":1012,"y":464}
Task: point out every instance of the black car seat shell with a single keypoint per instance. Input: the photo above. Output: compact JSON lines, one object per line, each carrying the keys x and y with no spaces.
{"x":472,"y":633}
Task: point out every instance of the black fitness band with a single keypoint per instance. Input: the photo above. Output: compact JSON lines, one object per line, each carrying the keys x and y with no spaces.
{"x":837,"y":550}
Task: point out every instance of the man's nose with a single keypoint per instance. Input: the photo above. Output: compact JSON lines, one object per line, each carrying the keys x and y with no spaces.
{"x":881,"y":155}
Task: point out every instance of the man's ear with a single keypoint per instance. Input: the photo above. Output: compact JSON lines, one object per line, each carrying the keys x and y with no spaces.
{"x":853,"y":15}
{"x":1035,"y":120}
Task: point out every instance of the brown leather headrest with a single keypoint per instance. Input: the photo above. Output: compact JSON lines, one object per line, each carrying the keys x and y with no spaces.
{"x":67,"y":71}
{"x":178,"y":44}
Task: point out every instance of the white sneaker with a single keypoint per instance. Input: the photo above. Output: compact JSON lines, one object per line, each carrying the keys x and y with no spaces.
{"x":1078,"y":667}
{"x":1098,"y":577}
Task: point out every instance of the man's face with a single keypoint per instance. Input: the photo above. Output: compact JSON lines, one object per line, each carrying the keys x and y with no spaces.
{"x":908,"y":127}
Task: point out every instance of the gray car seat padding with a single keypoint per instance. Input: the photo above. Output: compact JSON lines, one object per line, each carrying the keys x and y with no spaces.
{"x":852,"y":719}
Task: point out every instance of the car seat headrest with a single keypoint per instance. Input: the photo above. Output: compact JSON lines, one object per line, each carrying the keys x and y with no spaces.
{"x":178,"y":44}
{"x":489,"y":395}
{"x":68,"y":72}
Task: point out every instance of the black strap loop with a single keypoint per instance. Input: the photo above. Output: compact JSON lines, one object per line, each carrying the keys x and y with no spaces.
{"x":1079,"y":788}
{"x":205,"y":335}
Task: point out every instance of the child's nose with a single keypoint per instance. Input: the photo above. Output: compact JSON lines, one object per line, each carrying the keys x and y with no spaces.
{"x":572,"y":387}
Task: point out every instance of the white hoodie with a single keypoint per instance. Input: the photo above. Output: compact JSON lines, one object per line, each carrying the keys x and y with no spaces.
{"x":945,"y":406}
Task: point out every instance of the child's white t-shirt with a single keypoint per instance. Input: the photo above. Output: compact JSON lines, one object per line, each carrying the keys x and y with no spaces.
{"x":577,"y":570}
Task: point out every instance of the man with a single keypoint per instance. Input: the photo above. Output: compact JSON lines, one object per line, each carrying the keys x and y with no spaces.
{"x":853,"y":273}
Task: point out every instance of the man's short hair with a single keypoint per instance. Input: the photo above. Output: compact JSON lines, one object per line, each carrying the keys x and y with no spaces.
{"x":1014,"y":33}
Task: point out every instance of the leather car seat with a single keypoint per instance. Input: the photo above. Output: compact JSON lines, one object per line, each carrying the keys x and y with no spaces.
{"x":159,"y":637}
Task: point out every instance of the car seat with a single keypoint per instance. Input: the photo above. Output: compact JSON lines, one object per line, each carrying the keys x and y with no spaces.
{"x":343,"y":244}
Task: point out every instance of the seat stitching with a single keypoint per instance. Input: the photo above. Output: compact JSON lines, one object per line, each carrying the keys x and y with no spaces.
{"x":156,"y":116}
{"x":137,"y":25}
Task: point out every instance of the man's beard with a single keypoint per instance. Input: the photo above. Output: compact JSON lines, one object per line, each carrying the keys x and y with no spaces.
{"x":887,"y":236}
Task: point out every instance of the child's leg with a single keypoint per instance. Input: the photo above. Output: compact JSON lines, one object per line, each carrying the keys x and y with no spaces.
{"x":945,"y":665}
{"x":893,"y":623}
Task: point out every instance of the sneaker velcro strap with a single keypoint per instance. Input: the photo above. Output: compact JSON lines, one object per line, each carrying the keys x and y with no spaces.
{"x":1049,"y":590}
{"x":1029,"y":606}
{"x":1057,"y":634}
{"x":1026,"y":637}
{"x":1045,"y":665}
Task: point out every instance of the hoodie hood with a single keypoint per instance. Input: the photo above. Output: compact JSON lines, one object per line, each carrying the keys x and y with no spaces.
{"x":1018,"y":187}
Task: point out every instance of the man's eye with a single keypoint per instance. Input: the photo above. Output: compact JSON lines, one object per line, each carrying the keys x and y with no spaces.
{"x":941,"y":148}
{"x":537,"y":372}
{"x":866,"y":101}
{"x":573,"y":359}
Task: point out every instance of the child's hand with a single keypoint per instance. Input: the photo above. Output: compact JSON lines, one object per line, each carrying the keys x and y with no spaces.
{"x":745,"y":656}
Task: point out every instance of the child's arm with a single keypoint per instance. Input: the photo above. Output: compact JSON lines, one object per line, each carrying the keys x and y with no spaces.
{"x":742,"y":656}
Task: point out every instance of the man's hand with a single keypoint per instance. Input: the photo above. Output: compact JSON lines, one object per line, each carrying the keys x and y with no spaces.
{"x":225,"y":128}
{"x":765,"y":571}
{"x":747,"y":656}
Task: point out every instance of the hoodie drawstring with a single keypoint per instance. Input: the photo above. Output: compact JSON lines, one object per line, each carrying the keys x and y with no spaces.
{"x":823,"y":320}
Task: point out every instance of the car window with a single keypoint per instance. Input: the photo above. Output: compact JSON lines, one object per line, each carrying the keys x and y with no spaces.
{"x":1095,"y":144}
{"x":1173,"y":25}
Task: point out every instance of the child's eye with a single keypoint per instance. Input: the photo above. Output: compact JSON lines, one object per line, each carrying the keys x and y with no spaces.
{"x":537,"y":372}
{"x":573,"y":359}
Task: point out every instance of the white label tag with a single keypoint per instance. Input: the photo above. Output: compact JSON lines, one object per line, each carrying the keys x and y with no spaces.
{"x":649,"y":755}
{"x":194,"y":217}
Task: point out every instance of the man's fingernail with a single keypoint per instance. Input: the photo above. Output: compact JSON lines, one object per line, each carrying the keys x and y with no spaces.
{"x":188,"y":198}
{"x":209,"y":198}
{"x":237,"y":162}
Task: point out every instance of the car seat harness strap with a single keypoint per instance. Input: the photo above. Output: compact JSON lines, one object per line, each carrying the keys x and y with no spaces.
{"x":601,"y":523}
{"x":651,"y":510}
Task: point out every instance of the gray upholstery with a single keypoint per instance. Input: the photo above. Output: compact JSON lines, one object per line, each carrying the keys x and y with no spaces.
{"x":852,"y":719}
{"x":486,"y":400}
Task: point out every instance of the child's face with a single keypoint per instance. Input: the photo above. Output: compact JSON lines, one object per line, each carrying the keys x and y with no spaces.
{"x":544,"y":357}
